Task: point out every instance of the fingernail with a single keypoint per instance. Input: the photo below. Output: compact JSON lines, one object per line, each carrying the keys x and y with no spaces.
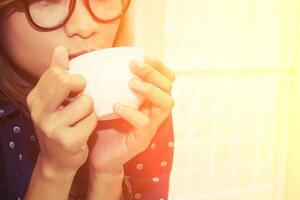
{"x":139,"y":64}
{"x":150,"y":59}
{"x":132,"y":63}
{"x":137,"y":83}
{"x":118,"y":108}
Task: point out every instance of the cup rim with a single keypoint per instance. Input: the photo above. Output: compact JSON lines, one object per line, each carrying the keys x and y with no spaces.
{"x":108,"y":51}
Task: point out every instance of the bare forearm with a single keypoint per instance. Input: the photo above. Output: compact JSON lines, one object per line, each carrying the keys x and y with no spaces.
{"x":47,"y":184}
{"x":106,"y":186}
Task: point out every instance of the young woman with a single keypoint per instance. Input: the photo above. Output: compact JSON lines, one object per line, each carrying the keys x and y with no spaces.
{"x":55,"y":149}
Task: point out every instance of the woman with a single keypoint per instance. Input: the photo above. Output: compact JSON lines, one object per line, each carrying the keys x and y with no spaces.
{"x":47,"y":151}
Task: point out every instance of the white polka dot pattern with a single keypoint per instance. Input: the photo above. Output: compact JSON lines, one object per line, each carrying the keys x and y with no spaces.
{"x":139,"y":166}
{"x":171,"y":144}
{"x":155,"y":179}
{"x":33,"y":138}
{"x":163,"y":163}
{"x":138,"y":196}
{"x":12,"y":145}
{"x":16,"y":129}
{"x":147,"y":173}
{"x":153,"y":146}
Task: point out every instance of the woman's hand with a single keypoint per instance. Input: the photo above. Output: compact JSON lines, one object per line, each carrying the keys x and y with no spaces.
{"x":62,"y":131}
{"x":114,"y":146}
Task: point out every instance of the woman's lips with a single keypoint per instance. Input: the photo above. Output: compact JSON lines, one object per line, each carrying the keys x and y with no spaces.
{"x":74,"y":55}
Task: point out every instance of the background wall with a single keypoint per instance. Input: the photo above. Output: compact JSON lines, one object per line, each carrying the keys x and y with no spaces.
{"x":237,"y":93}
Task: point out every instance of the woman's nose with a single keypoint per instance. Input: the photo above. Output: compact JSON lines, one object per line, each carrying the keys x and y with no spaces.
{"x":81,"y":22}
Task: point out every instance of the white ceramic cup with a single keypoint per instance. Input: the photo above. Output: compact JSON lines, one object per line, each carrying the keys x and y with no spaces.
{"x":107,"y":75}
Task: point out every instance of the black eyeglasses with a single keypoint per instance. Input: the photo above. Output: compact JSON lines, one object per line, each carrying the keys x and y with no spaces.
{"x":48,"y":15}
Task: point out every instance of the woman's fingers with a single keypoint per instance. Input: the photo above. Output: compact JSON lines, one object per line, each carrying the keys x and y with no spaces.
{"x":143,"y":130}
{"x":60,"y":58}
{"x":137,"y":119}
{"x":159,"y":66}
{"x":84,"y":128}
{"x":155,"y":95}
{"x":56,"y":83}
{"x":151,"y":75}
{"x":78,"y":109}
{"x":56,"y":86}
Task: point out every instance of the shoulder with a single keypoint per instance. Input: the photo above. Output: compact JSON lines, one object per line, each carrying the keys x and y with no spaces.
{"x":18,"y":150}
{"x":12,"y":122}
{"x":148,"y":173}
{"x":157,"y":159}
{"x":7,"y":108}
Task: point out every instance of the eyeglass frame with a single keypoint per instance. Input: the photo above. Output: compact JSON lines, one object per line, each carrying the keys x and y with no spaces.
{"x":70,"y":12}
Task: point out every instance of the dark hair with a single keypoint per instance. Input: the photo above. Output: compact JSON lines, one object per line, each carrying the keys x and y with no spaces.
{"x":4,"y":3}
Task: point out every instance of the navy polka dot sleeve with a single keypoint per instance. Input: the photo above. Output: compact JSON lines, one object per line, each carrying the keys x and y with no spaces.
{"x":146,"y":175}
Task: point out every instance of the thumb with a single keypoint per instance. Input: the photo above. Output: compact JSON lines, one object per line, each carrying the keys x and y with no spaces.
{"x":60,"y":58}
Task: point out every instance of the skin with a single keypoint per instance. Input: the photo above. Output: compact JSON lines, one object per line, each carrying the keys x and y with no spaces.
{"x":62,"y":134}
{"x":80,"y":33}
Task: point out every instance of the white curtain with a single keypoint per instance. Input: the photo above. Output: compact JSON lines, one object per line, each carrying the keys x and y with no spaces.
{"x":235,"y":62}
